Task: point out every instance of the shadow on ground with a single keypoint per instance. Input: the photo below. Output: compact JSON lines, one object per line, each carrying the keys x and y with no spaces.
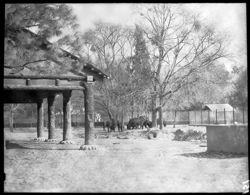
{"x":214,"y":155}
{"x":40,"y":146}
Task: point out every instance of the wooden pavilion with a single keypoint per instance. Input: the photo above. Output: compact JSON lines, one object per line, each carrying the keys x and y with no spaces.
{"x":36,"y":88}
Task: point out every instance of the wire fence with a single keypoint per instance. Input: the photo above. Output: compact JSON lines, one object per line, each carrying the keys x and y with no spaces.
{"x":203,"y":117}
{"x":170,"y":117}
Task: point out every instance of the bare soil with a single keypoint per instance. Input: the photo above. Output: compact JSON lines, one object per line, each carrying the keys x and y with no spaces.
{"x":125,"y":162}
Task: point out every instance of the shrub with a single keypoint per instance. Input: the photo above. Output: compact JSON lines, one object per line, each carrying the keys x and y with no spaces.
{"x":187,"y":136}
{"x":178,"y":135}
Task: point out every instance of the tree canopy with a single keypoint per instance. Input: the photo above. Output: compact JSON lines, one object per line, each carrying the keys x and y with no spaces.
{"x":25,"y":49}
{"x":239,"y":96}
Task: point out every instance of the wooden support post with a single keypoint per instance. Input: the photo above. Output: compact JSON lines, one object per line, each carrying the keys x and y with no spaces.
{"x":89,"y":114}
{"x":51,"y":116}
{"x":40,"y":118}
{"x":66,"y":116}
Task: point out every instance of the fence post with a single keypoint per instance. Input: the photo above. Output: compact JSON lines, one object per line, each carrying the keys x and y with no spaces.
{"x":225,"y":122}
{"x":233,"y":116}
{"x":243,"y":116}
{"x":208,"y":116}
{"x":216,"y":116}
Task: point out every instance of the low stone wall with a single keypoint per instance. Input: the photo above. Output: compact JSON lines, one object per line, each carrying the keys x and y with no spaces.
{"x":227,"y":138}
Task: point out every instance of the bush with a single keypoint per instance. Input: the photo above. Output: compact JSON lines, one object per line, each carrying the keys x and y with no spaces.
{"x":178,"y":135}
{"x":187,"y":136}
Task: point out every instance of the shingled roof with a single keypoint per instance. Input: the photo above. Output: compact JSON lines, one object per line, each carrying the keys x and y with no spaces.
{"x":88,"y":68}
{"x":218,"y":107}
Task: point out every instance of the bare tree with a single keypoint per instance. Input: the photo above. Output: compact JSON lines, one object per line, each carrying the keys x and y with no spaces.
{"x":113,"y":49}
{"x":104,"y":45}
{"x":180,"y":46}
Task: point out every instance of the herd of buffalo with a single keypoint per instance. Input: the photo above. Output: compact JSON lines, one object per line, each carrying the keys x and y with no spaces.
{"x":134,"y":123}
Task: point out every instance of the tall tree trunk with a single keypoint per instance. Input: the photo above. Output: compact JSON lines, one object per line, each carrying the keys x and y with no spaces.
{"x":132,"y":110}
{"x":154,"y":111}
{"x":174,"y":118}
{"x":160,"y":117}
{"x":11,"y":118}
{"x":110,"y":115}
{"x":122,"y":120}
{"x":116,"y":118}
{"x":160,"y":114}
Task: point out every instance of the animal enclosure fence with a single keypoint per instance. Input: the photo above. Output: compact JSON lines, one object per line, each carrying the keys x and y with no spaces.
{"x":77,"y":120}
{"x":171,"y":117}
{"x":198,"y":117}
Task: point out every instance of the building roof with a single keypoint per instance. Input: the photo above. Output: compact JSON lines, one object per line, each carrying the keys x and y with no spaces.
{"x":218,"y":107}
{"x":88,"y":68}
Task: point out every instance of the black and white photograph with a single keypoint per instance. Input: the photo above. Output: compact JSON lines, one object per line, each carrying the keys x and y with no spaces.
{"x":125,"y":98}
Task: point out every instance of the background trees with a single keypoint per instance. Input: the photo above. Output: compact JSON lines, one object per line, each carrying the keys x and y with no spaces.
{"x":238,"y":97}
{"x":170,"y":58}
{"x":181,"y":48}
{"x":122,"y":53}
{"x":46,"y":20}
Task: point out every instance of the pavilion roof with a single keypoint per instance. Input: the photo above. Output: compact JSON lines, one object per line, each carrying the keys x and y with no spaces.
{"x":88,"y":68}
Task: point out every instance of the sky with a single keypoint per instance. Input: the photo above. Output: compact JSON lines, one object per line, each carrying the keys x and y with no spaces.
{"x":225,"y":17}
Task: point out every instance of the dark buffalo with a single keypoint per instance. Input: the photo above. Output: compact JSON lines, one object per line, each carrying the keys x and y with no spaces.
{"x":132,"y":124}
{"x":138,"y":122}
{"x":148,"y":123}
{"x":111,"y":125}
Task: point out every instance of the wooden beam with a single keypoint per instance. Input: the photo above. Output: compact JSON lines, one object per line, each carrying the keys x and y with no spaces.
{"x":42,"y":87}
{"x":72,"y":78}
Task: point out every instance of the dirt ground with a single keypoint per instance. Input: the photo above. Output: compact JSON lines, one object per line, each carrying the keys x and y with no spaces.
{"x":135,"y":164}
